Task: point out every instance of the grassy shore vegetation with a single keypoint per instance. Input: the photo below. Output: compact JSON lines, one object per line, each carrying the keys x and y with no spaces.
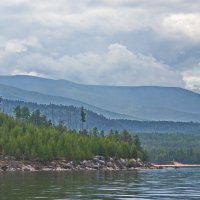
{"x":32,"y":136}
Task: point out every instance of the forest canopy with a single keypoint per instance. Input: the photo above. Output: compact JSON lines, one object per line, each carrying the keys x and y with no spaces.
{"x":35,"y":137}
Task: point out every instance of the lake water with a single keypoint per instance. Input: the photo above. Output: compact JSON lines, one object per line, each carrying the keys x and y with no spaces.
{"x":150,"y":184}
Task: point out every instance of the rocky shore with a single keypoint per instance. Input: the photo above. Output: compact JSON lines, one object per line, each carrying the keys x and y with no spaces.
{"x":97,"y":163}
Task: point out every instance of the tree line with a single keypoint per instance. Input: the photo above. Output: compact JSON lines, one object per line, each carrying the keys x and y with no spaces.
{"x":29,"y":133}
{"x":70,"y":116}
{"x":166,"y":147}
{"x":32,"y":136}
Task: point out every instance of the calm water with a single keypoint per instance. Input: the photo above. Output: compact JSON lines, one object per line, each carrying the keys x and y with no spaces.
{"x":151,"y":184}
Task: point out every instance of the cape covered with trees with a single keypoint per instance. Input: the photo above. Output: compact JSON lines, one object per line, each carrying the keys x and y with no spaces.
{"x":32,"y":136}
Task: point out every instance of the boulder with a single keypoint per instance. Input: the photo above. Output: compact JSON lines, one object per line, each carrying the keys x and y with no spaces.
{"x":119,"y":164}
{"x":4,"y":168}
{"x":68,"y":165}
{"x":132,"y":163}
{"x":109,"y":164}
{"x":27,"y":168}
{"x":111,"y":159}
{"x":101,"y":162}
{"x":96,"y":158}
{"x":95,"y":167}
{"x":37,"y":167}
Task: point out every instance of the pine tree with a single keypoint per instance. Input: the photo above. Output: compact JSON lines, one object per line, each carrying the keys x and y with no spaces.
{"x":25,"y":114}
{"x":83,"y":117}
{"x":17,"y":112}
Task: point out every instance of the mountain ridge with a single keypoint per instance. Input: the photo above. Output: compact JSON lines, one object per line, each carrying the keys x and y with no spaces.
{"x":70,"y":117}
{"x":13,"y":93}
{"x":142,"y":102}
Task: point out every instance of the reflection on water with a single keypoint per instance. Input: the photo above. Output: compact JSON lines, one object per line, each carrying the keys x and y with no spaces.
{"x":151,"y":184}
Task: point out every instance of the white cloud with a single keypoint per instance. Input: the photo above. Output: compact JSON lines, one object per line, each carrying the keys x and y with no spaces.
{"x":186,"y":24}
{"x":11,"y":2}
{"x":69,"y":39}
{"x":106,"y":17}
{"x":15,"y":46}
{"x":118,"y":66}
{"x":31,"y":73}
{"x":191,"y":78}
{"x":18,"y":46}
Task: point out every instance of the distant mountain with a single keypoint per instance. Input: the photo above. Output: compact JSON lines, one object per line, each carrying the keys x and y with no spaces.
{"x":145,"y":102}
{"x":13,"y":93}
{"x":70,"y":116}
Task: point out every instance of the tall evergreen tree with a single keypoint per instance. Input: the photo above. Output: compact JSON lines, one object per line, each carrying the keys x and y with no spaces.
{"x":25,"y":113}
{"x":83,"y":117}
{"x":17,"y":112}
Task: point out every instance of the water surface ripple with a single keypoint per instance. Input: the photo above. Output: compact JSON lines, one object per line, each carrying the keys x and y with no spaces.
{"x":150,"y":184}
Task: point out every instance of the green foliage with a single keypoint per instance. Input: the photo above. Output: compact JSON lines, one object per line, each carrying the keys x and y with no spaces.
{"x":17,"y":112}
{"x":23,"y":114}
{"x":35,"y":138}
{"x":83,"y":117}
{"x":166,"y":147}
{"x":70,"y":115}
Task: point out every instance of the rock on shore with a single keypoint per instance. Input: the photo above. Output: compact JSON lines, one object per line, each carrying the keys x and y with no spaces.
{"x":97,"y":163}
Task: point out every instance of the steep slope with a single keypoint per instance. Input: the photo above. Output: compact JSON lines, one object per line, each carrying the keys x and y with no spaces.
{"x":152,"y":103}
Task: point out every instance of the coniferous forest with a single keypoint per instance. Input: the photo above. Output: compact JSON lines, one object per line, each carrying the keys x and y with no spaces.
{"x":166,"y":147}
{"x":31,"y":136}
{"x":70,"y":117}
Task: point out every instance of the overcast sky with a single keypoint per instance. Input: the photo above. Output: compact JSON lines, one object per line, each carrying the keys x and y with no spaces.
{"x":110,"y":42}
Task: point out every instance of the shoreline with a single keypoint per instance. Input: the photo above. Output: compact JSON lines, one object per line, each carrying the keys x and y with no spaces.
{"x":98,"y":163}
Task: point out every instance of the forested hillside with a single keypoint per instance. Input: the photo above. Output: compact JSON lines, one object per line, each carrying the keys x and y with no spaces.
{"x":28,"y":139}
{"x":31,"y":135}
{"x":70,"y":117}
{"x":166,"y":147}
{"x":142,"y":102}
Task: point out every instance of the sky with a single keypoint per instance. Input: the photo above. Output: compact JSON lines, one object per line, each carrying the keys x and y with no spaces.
{"x":106,"y":42}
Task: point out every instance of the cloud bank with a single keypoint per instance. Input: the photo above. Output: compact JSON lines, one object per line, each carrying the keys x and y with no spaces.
{"x":116,"y":42}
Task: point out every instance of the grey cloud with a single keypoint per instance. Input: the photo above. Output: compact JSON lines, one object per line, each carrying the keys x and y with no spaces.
{"x":192,"y":77}
{"x":72,"y":37}
{"x":117,"y":66}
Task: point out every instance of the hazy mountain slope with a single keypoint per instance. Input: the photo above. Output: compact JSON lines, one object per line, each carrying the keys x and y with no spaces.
{"x":14,"y":93}
{"x":70,"y":116}
{"x":152,"y":103}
